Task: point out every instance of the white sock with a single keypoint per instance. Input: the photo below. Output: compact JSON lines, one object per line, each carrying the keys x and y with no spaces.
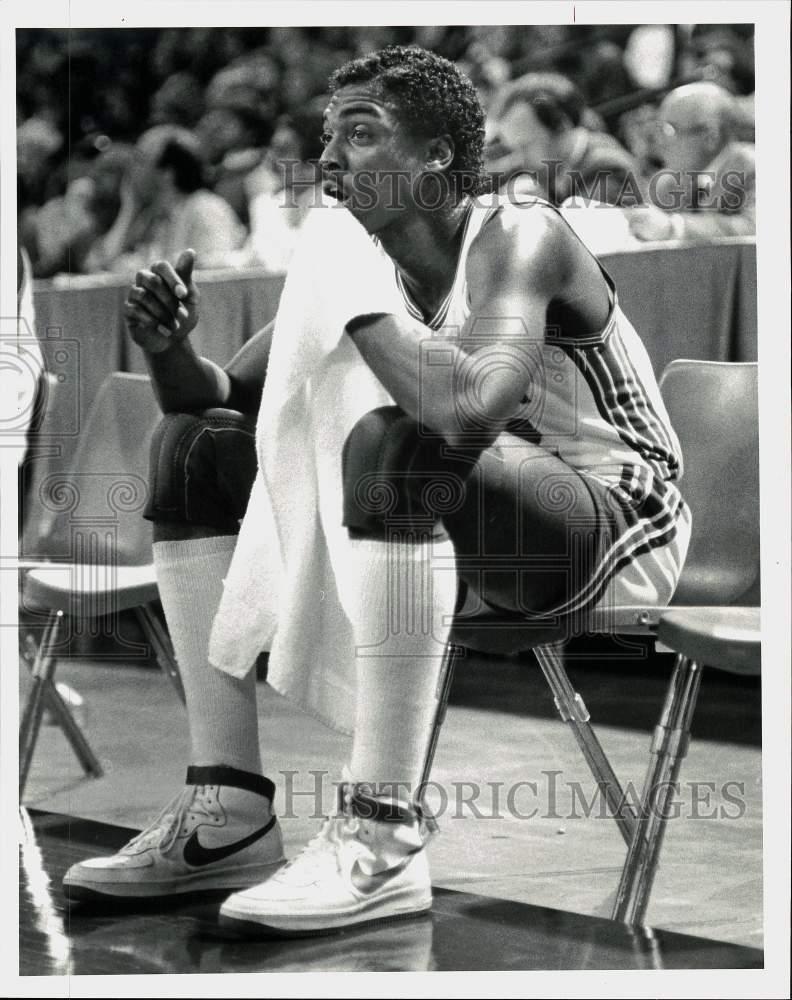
{"x":400,"y":604}
{"x":221,"y":709}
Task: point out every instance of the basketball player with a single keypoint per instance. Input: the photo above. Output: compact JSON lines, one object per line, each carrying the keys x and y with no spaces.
{"x":545,"y":410}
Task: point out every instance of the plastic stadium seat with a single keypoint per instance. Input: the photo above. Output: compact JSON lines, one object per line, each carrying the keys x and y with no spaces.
{"x":102,"y":562}
{"x":714,"y":618}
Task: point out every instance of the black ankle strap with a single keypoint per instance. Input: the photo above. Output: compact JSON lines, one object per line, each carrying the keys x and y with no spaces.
{"x":358,"y":800}
{"x":220,"y":774}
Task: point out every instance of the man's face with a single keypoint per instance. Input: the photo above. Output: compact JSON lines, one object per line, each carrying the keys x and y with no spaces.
{"x":370,"y":162}
{"x":688,"y":137}
{"x":518,"y":132}
{"x":220,"y":131}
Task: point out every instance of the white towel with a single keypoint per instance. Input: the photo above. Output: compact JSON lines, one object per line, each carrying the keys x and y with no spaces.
{"x":280,"y":591}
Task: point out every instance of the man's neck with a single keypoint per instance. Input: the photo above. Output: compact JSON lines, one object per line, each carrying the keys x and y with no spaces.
{"x":425,"y":247}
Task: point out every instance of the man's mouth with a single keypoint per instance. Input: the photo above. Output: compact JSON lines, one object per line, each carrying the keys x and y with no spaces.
{"x":334,"y":188}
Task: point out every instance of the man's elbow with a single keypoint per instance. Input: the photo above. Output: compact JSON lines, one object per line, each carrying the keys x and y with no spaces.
{"x":469,"y":426}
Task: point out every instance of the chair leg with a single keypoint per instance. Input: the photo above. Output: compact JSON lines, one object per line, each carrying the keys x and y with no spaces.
{"x":43,"y":691}
{"x":79,"y":744}
{"x":669,"y":748}
{"x":158,"y":637}
{"x":573,"y":711}
{"x":43,"y":670}
{"x":450,"y":657}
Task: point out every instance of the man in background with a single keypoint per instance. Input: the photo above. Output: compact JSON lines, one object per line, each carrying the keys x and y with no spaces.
{"x":541,"y":141}
{"x":707,"y":187}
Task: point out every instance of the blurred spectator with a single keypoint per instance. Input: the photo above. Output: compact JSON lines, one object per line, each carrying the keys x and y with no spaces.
{"x":107,"y":172}
{"x":59,"y":235}
{"x":603,"y":74}
{"x":641,"y":134}
{"x":649,"y":55}
{"x":284,"y":188}
{"x":166,"y":207}
{"x":723,"y":54}
{"x":179,"y":101}
{"x":488,"y":73}
{"x":248,"y":84}
{"x":25,"y":364}
{"x":744,"y":119}
{"x":232,"y":140}
{"x":241,"y":103}
{"x":37,"y":143}
{"x":538,"y":143}
{"x":708,"y":187}
{"x":232,"y":84}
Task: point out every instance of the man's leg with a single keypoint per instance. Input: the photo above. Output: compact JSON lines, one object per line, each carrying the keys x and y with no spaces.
{"x":220,"y":832}
{"x":191,"y":564}
{"x":397,"y":584}
{"x":399,"y":595}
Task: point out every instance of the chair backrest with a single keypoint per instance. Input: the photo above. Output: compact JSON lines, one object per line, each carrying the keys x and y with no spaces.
{"x":713,"y":407}
{"x":93,"y":511}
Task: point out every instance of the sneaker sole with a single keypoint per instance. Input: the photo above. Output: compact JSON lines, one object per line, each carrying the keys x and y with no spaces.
{"x":242,"y":927}
{"x":84,"y":891}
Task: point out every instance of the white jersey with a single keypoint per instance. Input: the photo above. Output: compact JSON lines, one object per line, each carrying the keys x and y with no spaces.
{"x":594,"y":401}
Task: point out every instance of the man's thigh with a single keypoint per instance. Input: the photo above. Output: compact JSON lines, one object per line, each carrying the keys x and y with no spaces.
{"x":530,"y":532}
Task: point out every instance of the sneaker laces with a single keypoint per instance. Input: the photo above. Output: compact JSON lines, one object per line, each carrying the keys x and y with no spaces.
{"x":162,"y":831}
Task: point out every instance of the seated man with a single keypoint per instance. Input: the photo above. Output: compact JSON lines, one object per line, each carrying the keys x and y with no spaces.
{"x":707,"y":188}
{"x":539,"y":143}
{"x":545,"y":411}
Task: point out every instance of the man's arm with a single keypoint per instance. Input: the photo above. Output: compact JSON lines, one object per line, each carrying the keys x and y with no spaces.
{"x":653,"y":224}
{"x":730,"y":209}
{"x":247,"y":370}
{"x":702,"y":226}
{"x":183,"y":381}
{"x":469,"y":388}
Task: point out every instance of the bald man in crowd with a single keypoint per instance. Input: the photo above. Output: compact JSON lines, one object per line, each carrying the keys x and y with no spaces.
{"x":707,"y":187}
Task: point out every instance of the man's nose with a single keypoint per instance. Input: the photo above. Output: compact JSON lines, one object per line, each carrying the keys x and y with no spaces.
{"x":328,"y":161}
{"x":491,"y":133}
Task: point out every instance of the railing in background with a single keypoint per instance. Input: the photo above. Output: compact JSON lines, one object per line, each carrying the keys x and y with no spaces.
{"x":695,"y":302}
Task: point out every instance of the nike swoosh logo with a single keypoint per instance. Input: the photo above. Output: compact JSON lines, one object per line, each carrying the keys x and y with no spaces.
{"x":196,"y":855}
{"x":371,"y":883}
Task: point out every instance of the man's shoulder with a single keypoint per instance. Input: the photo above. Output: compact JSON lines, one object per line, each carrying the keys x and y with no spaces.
{"x":524,"y":226}
{"x":526,"y":235}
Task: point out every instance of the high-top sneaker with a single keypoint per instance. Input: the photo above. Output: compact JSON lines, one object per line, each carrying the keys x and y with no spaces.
{"x":219,"y":833}
{"x":366,"y":864}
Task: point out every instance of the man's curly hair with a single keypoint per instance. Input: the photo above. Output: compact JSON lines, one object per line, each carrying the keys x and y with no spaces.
{"x":431,"y":97}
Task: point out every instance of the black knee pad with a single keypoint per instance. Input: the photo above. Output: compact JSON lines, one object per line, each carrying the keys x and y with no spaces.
{"x":202,"y":467}
{"x":395,"y":477}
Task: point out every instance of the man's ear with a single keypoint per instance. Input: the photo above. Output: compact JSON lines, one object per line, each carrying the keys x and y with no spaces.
{"x":440,"y":153}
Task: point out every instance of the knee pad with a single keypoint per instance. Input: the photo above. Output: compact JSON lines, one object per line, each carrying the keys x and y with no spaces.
{"x":394,"y":476}
{"x":201,"y":469}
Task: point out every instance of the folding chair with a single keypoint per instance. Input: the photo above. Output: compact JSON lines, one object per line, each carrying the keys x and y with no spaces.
{"x":91,"y":517}
{"x":713,"y":407}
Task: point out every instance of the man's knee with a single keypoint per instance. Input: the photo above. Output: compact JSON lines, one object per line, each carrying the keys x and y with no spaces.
{"x":394,"y":476}
{"x":201,"y":469}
